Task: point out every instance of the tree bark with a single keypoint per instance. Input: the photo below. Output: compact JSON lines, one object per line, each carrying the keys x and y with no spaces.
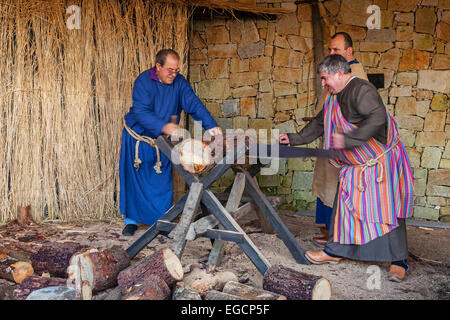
{"x":32,"y":283}
{"x":7,"y":290}
{"x":250,"y":293}
{"x":149,"y":287}
{"x":218,"y":295}
{"x":296,"y":285}
{"x":99,"y":268}
{"x":14,"y":270}
{"x":54,"y":258}
{"x":164,"y":263}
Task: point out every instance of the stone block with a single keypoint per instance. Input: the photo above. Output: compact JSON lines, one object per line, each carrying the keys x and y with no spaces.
{"x":240,"y":123}
{"x":420,"y":173}
{"x":403,"y":44}
{"x":239,"y":65}
{"x":420,"y":186}
{"x":217,"y":68}
{"x":286,"y":127}
{"x":230,"y":107}
{"x":222,"y":50}
{"x":284,"y":88}
{"x":217,"y":35}
{"x":249,"y":32}
{"x":435,"y":121}
{"x":434,"y":80}
{"x":375,"y":46}
{"x":281,"y":42}
{"x":300,"y":43}
{"x":266,"y":105}
{"x":300,"y":164}
{"x":251,"y":50}
{"x":446,"y":153}
{"x":198,"y":56}
{"x":214,"y":89}
{"x":407,"y":78}
{"x":382,"y":35}
{"x":440,"y":102}
{"x":440,"y":62}
{"x":248,"y":107}
{"x":286,"y":103}
{"x":265,"y":86}
{"x":438,"y":191}
{"x":423,"y":41}
{"x":407,"y":137}
{"x":225,"y":123}
{"x":287,"y":58}
{"x":304,"y":12}
{"x":390,"y":59}
{"x":235,"y":30}
{"x":269,"y":180}
{"x":288,"y":24}
{"x":440,"y":177}
{"x":414,"y":157}
{"x":197,"y":41}
{"x":444,"y":164}
{"x":291,"y":75}
{"x":414,"y":60}
{"x":246,"y":91}
{"x":356,"y":33}
{"x":243,"y":79}
{"x":402,"y":5}
{"x":261,"y":64}
{"x":444,"y":4}
{"x":282,"y":116}
{"x":261,"y":124}
{"x":332,"y":7}
{"x":425,"y":20}
{"x":404,"y":33}
{"x":405,"y":17}
{"x":430,"y":139}
{"x":406,"y":106}
{"x":426,"y":213}
{"x":194,"y":73}
{"x":443,"y":31}
{"x":404,"y":91}
{"x":306,"y":29}
{"x":302,"y":180}
{"x":354,"y":12}
{"x":214,"y":108}
{"x":431,"y":157}
{"x":367,"y":59}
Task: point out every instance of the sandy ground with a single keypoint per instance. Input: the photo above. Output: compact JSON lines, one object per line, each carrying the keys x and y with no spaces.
{"x":428,"y":278}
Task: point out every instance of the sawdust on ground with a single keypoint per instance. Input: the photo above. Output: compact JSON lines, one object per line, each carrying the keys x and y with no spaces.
{"x":428,"y":278}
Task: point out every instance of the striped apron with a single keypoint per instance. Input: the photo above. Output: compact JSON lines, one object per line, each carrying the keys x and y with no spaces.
{"x":375,"y":183}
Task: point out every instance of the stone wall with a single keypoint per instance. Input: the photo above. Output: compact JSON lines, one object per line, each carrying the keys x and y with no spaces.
{"x":256,"y":73}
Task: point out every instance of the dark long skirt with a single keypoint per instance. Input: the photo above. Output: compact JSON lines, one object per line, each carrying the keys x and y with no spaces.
{"x":392,"y":246}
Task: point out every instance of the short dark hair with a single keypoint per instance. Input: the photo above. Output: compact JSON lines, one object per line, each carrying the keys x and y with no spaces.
{"x":161,"y":56}
{"x":347,"y":39}
{"x":333,"y":63}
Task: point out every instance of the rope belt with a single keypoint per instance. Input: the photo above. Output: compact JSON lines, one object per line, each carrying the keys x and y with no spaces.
{"x":371,"y":163}
{"x":151,"y":142}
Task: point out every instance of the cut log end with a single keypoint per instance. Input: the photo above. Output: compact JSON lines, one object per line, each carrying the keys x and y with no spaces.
{"x":173,"y":264}
{"x":22,"y":270}
{"x":322,"y":290}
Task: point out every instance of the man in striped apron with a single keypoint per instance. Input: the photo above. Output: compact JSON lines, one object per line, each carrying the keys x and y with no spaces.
{"x":375,"y":189}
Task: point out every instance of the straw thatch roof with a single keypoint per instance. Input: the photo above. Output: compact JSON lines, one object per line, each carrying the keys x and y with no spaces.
{"x":231,"y":5}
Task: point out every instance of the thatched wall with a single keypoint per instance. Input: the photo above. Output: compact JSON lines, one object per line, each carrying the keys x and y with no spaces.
{"x":63,"y":98}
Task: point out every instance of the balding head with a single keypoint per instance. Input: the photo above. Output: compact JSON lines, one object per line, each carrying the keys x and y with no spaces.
{"x":341,"y":43}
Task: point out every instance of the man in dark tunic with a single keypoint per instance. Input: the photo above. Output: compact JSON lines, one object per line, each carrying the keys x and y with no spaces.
{"x":375,"y":190}
{"x":146,"y":174}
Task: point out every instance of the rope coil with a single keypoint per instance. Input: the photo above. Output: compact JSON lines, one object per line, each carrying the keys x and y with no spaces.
{"x":371,"y":163}
{"x":151,"y":142}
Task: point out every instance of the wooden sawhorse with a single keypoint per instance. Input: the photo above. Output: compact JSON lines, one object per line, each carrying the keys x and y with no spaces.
{"x":230,"y":229}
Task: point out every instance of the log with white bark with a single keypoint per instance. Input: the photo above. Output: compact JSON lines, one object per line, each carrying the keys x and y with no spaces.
{"x":33,"y":283}
{"x":13,"y":269}
{"x":194,"y":155}
{"x":295,"y":285}
{"x":54,"y":258}
{"x":163,"y":263}
{"x":249,"y":292}
{"x":99,"y":268}
{"x":149,"y":287}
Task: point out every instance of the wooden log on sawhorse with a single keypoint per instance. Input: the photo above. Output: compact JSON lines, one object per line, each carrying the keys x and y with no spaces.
{"x":232,"y":231}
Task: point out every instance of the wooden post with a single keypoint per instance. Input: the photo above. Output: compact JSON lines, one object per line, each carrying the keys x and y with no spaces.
{"x":237,"y":190}
{"x":180,"y":231}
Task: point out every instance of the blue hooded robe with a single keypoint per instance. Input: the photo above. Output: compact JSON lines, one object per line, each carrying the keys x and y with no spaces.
{"x":144,"y":194}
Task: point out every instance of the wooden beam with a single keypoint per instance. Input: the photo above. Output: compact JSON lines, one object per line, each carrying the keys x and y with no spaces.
{"x":180,"y":231}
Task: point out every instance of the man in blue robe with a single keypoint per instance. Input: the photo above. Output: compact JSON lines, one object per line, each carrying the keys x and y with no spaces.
{"x":146,"y":183}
